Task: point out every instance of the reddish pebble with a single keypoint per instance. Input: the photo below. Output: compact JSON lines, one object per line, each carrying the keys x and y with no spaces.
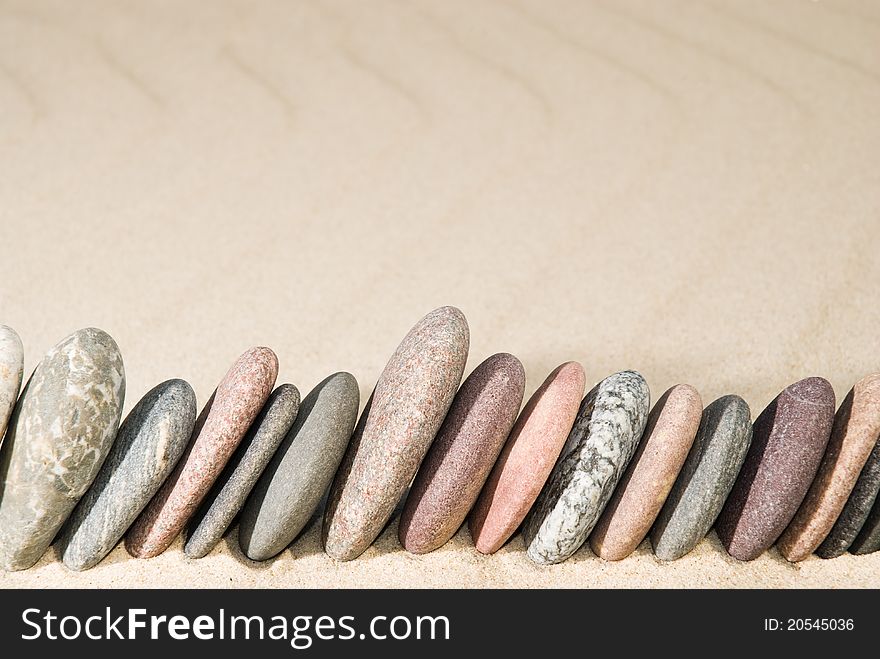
{"x":855,"y":432}
{"x":527,"y":458}
{"x":466,"y":447}
{"x":219,"y":430}
{"x":642,"y":491}
{"x":789,"y":439}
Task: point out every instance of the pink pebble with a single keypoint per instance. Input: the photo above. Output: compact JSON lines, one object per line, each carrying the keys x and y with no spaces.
{"x":527,"y":458}
{"x":219,"y":430}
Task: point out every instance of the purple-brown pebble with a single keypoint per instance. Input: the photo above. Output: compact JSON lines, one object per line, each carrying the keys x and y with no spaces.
{"x":527,"y":458}
{"x":410,"y":400}
{"x":641,"y":493}
{"x":223,"y":423}
{"x":467,"y":445}
{"x":856,"y":428}
{"x":789,"y":439}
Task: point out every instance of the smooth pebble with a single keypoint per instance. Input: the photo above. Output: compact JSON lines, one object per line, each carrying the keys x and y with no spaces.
{"x":706,"y":478}
{"x":235,"y":484}
{"x":60,"y":432}
{"x":527,"y":458}
{"x":789,"y":439}
{"x":291,"y":488}
{"x":220,"y":428}
{"x":458,"y":463}
{"x":638,"y":498}
{"x":602,"y":441}
{"x":149,"y":443}
{"x":409,"y":403}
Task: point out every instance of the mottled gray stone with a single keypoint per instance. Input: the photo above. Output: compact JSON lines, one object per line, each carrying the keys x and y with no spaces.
{"x":705,"y":479}
{"x":244,"y":469}
{"x":290,"y":489}
{"x":856,"y":511}
{"x":148,"y":445}
{"x":604,"y":438}
{"x":11,"y":373}
{"x":60,"y":432}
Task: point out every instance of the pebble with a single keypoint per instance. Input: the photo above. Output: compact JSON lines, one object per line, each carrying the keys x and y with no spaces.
{"x":789,"y":439}
{"x":635,"y":504}
{"x":149,"y":443}
{"x":60,"y":432}
{"x":868,"y":539}
{"x":11,"y":373}
{"x":604,"y":438}
{"x":853,"y":437}
{"x":219,"y":430}
{"x":291,"y":488}
{"x":856,"y":511}
{"x":458,"y":463}
{"x":231,"y":490}
{"x":706,"y":478}
{"x":409,"y":403}
{"x":527,"y":458}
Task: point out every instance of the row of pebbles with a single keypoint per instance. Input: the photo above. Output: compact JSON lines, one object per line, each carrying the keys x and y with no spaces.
{"x":566,"y":469}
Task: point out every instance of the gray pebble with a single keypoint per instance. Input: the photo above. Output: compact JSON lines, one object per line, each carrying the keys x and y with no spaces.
{"x":231,"y":490}
{"x":290,"y":489}
{"x":149,"y":443}
{"x":705,"y":480}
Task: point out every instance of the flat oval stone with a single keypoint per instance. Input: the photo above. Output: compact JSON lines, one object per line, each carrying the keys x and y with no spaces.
{"x":409,"y":403}
{"x":291,"y":488}
{"x":855,"y":432}
{"x":706,"y":478}
{"x":219,"y":430}
{"x":856,"y":511}
{"x":60,"y":432}
{"x":789,"y":439}
{"x":229,"y":493}
{"x":458,"y":463}
{"x":527,"y":458}
{"x":868,"y":539}
{"x":149,"y":443}
{"x":602,"y":441}
{"x":11,"y":373}
{"x":635,"y":504}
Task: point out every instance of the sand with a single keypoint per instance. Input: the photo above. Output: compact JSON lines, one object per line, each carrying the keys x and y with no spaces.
{"x":688,"y":189}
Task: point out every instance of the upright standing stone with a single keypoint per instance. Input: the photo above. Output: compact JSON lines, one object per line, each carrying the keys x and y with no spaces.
{"x":856,"y":511}
{"x":706,"y":478}
{"x":218,"y":432}
{"x":527,"y":458}
{"x":60,"y":433}
{"x":608,"y":428}
{"x":461,"y":457}
{"x":11,"y":373}
{"x":149,"y":443}
{"x":244,"y":469}
{"x":411,"y":398}
{"x":291,"y":488}
{"x":855,"y":432}
{"x":789,"y":439}
{"x":635,"y":504}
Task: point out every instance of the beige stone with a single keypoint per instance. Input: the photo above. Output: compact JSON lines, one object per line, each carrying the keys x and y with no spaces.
{"x":642,"y":491}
